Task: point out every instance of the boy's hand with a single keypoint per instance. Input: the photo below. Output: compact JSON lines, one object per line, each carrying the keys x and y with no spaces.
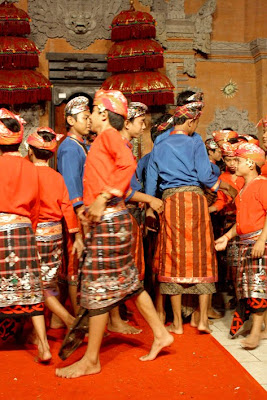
{"x":80,"y":212}
{"x":96,"y":209}
{"x":156,"y":204}
{"x":78,"y":245}
{"x":258,"y":249}
{"x":221,"y":243}
{"x":151,"y":220}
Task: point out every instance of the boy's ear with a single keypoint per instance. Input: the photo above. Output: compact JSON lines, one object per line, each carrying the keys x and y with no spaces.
{"x":70,"y":120}
{"x":104,"y":115}
{"x":126,"y":124}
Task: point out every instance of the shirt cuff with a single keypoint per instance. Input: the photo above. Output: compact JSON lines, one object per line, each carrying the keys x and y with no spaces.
{"x":215,"y":187}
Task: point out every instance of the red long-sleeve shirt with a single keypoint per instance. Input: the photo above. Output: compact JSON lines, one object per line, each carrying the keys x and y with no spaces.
{"x":226,"y":202}
{"x":19,"y":187}
{"x":54,"y":199}
{"x":109,"y":166}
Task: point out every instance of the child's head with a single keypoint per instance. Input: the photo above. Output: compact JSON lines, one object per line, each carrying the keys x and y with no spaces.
{"x":224,"y":136}
{"x":228,"y":153}
{"x":110,"y":108}
{"x":11,"y":131}
{"x":213,"y":150}
{"x":188,"y":110}
{"x":162,"y":124}
{"x":249,"y":157}
{"x":43,"y":143}
{"x":135,"y":122}
{"x":77,"y":115}
{"x":263,"y":122}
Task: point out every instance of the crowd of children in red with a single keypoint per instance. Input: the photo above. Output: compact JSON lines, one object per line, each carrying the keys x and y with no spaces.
{"x":85,"y":224}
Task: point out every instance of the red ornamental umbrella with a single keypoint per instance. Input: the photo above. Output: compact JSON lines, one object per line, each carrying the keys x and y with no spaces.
{"x":133,"y":24}
{"x":23,"y":86}
{"x":135,"y":55}
{"x":149,"y":87}
{"x":13,"y":21}
{"x":16,"y":52}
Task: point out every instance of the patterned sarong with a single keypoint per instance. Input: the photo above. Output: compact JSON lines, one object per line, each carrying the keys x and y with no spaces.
{"x":245,"y":308}
{"x":68,"y":271}
{"x":186,"y":244}
{"x":20,"y":274}
{"x":108,"y":273}
{"x":49,"y":243}
{"x":138,"y":249}
{"x":251,"y":272}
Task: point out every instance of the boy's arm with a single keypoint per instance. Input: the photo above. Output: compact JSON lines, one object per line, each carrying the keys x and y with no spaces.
{"x":259,"y":247}
{"x":151,"y":176}
{"x":221,"y":242}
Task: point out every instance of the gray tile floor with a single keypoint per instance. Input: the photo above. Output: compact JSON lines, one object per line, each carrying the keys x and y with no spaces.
{"x":254,"y":361}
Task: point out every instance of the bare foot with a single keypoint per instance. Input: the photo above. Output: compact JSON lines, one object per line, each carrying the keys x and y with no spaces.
{"x":175,"y":329}
{"x":212,"y":313}
{"x":194,"y":319}
{"x":56,"y":322}
{"x":44,"y":355}
{"x":123,"y":327}
{"x":157,"y":346}
{"x":251,"y":342}
{"x":162,"y":316}
{"x":80,"y":368}
{"x":263,"y":334}
{"x":203,"y":328}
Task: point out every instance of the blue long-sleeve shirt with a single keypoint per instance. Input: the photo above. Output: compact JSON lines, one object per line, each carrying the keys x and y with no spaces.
{"x":216,"y":170}
{"x":179,"y":160}
{"x":71,"y":158}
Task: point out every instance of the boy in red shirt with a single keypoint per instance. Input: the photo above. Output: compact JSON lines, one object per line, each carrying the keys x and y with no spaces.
{"x":54,"y":206}
{"x":109,"y":276}
{"x":21,"y":290}
{"x":251,"y":226}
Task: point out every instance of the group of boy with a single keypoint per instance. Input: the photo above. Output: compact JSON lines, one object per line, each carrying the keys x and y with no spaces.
{"x":91,"y":200}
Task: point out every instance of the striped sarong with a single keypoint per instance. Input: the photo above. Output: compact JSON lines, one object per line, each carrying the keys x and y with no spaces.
{"x":108,"y":273}
{"x":20,"y":274}
{"x":186,"y":244}
{"x":138,"y":249}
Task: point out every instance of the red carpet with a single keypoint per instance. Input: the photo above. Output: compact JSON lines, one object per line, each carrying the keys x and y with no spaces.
{"x":194,"y":367}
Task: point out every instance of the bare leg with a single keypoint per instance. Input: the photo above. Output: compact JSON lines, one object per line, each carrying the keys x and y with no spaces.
{"x":177,"y":325}
{"x":160,"y":304}
{"x":116,"y":324}
{"x":203,"y":325}
{"x":89,"y":364}
{"x":42,"y":343}
{"x":264,"y":332}
{"x":162,"y":338}
{"x":253,"y":340}
{"x":57,"y":308}
{"x":212,"y":313}
{"x":73,"y":298}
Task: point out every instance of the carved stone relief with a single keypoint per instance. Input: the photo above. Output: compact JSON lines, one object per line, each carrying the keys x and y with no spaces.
{"x":232,"y":118}
{"x":80,"y":22}
{"x":31,"y":114}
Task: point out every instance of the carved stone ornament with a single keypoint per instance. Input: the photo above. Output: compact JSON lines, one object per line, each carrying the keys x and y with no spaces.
{"x":203,"y":27}
{"x":232,"y":118}
{"x":31,"y":116}
{"x":80,"y":22}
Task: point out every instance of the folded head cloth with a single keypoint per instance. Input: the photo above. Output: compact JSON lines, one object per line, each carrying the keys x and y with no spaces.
{"x":263,"y":122}
{"x":77,"y":105}
{"x":38,"y":141}
{"x":229,"y":149}
{"x":224,"y":135}
{"x":251,"y":152}
{"x":111,"y":100}
{"x":7,"y":137}
{"x":211,"y":144}
{"x":136,"y":110}
{"x":251,"y":139}
{"x":191,"y":110}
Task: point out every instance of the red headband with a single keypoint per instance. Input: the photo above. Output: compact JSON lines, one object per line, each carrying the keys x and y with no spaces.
{"x":252,"y":152}
{"x":37,"y":141}
{"x":112,"y":100}
{"x":7,"y":137}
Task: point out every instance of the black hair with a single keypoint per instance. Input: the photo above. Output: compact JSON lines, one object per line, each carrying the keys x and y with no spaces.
{"x":67,"y":125}
{"x":12,"y":124}
{"x":154,"y":132}
{"x":8,"y":148}
{"x":235,"y":140}
{"x":116,"y":120}
{"x":258,"y":169}
{"x":42,"y":154}
{"x":228,"y":129}
{"x":182,"y":97}
{"x":240,"y":137}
